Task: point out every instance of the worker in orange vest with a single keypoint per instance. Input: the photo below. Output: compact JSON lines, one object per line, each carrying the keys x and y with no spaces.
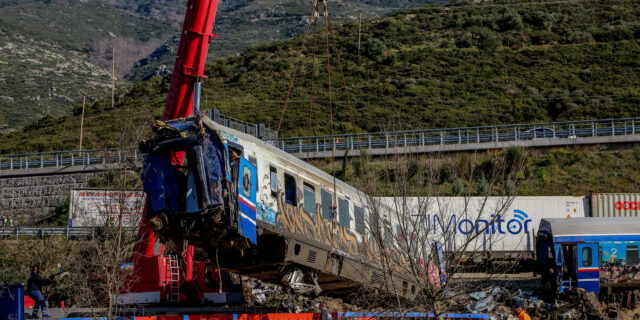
{"x":522,"y":315}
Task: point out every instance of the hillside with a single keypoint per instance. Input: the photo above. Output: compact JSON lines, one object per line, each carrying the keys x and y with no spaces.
{"x":53,"y":50}
{"x":431,"y":67}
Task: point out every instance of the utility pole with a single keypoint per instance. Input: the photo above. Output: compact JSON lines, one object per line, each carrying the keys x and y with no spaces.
{"x":84,"y":98}
{"x":359,"y":34}
{"x":113,"y":77}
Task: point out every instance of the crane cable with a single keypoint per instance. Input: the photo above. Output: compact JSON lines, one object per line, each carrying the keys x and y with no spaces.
{"x":313,"y":77}
{"x":295,"y":71}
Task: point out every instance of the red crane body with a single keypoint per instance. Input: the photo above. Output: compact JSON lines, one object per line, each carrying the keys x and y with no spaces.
{"x":187,"y":73}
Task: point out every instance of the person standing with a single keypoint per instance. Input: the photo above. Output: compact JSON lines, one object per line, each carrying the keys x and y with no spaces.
{"x":324,"y":313}
{"x":522,"y":315}
{"x":34,"y":287}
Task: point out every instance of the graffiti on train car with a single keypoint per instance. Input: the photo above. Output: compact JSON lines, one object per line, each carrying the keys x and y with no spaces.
{"x":296,"y":220}
{"x":618,"y":273}
{"x":619,"y":264}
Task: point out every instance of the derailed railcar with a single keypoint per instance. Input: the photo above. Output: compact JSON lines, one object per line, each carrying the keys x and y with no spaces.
{"x":262,"y":212}
{"x":589,"y":253}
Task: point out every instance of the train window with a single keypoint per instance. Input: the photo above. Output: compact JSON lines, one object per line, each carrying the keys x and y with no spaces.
{"x":358,"y":214}
{"x":373,"y":223}
{"x":309,"y":199}
{"x":586,"y":256}
{"x":290,"y":194}
{"x":632,"y":255}
{"x":274,"y":180}
{"x":253,"y":160}
{"x":343,"y":212}
{"x":327,"y":203}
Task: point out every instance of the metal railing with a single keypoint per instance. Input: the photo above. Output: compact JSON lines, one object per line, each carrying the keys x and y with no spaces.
{"x":467,"y":135}
{"x":258,"y":130}
{"x":68,"y":158}
{"x":81,"y":233}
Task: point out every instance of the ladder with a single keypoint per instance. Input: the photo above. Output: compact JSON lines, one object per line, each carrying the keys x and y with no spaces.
{"x":174,"y":276}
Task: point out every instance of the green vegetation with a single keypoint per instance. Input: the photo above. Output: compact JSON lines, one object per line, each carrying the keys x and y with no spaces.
{"x":561,"y":171}
{"x":419,"y":69}
{"x":52,"y":51}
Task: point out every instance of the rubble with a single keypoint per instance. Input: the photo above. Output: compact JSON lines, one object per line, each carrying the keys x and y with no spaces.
{"x":258,"y":293}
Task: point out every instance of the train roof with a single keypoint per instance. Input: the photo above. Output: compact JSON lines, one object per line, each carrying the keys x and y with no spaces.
{"x":591,"y":229}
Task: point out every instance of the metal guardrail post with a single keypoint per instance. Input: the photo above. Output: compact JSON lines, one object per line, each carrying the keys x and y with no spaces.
{"x":573,"y":130}
{"x":72,"y":160}
{"x":478,"y":135}
{"x":386,"y":141}
{"x":613,"y":128}
{"x":441,"y":138}
{"x":553,"y":129}
{"x":459,"y":137}
{"x":593,"y":129}
{"x":26,"y":162}
{"x":41,"y":162}
{"x":300,"y":145}
{"x":369,"y":140}
{"x":317,"y":145}
{"x":633,"y":127}
{"x":422,"y":138}
{"x":515,"y":133}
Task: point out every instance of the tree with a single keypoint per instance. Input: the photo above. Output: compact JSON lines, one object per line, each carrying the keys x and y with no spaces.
{"x":422,"y":238}
{"x":101,"y":274}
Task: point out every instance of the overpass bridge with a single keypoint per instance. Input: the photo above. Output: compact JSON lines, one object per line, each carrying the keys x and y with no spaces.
{"x":534,"y":135}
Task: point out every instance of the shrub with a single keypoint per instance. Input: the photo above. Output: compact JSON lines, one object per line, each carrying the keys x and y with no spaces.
{"x":373,"y":48}
{"x":510,"y":20}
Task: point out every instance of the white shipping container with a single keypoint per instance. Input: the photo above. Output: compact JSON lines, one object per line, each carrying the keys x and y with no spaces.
{"x":100,"y":207}
{"x":615,"y":204}
{"x":513,"y":230}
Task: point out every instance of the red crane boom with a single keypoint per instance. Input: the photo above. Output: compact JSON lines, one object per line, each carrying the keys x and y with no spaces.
{"x":188,"y":70}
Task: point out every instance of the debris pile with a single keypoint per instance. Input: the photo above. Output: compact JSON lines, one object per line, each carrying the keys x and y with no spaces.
{"x":571,"y":304}
{"x":281,"y":299}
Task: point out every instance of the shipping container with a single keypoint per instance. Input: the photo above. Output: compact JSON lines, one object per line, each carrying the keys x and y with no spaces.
{"x":511,"y":221}
{"x":12,"y":301}
{"x":615,"y":205}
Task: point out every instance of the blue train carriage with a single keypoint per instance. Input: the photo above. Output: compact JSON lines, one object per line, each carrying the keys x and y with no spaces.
{"x":264,"y":213}
{"x":599,"y":255}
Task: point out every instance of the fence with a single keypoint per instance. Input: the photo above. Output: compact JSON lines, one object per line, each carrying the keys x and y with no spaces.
{"x":469,"y":135}
{"x":41,"y":232}
{"x":258,"y":130}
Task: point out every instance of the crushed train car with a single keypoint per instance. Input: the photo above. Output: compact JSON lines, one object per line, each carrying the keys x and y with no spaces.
{"x":265,"y":213}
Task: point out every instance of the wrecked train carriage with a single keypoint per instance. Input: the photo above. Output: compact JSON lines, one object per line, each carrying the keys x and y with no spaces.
{"x":599,"y":255}
{"x":261,"y":211}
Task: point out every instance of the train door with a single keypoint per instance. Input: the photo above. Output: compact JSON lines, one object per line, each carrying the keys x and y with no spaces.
{"x":569,"y":269}
{"x":247,"y":187}
{"x":588,"y":269}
